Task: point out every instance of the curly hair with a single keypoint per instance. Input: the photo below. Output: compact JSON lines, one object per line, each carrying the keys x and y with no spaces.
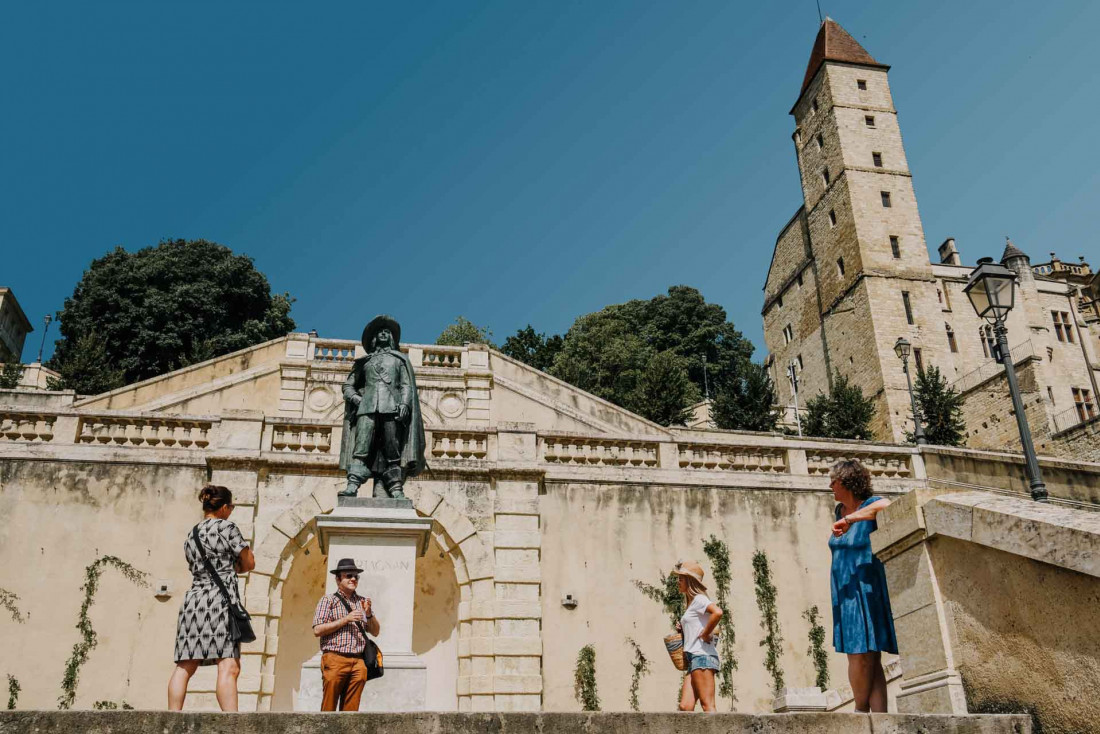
{"x":853,"y":476}
{"x":214,"y":498}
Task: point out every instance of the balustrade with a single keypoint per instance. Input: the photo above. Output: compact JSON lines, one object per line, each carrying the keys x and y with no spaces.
{"x":20,"y":426}
{"x":878,"y":464}
{"x":722,"y":457}
{"x":445,"y":357}
{"x":599,"y":452}
{"x":299,"y":438}
{"x":334,"y":351}
{"x":166,"y":432}
{"x":460,"y":445}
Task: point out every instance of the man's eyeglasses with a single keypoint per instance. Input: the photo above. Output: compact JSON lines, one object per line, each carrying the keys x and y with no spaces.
{"x":352,"y":576}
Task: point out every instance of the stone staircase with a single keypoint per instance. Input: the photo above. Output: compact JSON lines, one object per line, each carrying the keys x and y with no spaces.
{"x":163,"y":722}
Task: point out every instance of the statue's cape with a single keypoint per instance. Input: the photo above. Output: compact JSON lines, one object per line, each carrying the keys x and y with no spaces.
{"x":410,"y":434}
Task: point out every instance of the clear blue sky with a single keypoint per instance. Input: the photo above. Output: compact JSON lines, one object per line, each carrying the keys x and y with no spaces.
{"x":513,"y":162}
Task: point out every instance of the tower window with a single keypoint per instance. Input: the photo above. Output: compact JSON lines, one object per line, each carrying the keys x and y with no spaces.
{"x":832,"y":217}
{"x":779,"y":301}
{"x":861,"y":84}
{"x":800,"y":280}
{"x":895,"y":246}
{"x":870,"y":120}
{"x":886,"y":199}
{"x":1082,"y":401}
{"x":989,"y":342}
{"x":951,"y":339}
{"x":814,"y":105}
{"x":1062,"y":327}
{"x":918,"y":360}
{"x":876,"y":158}
{"x":820,"y":141}
{"x":788,"y":334}
{"x":908,"y":306}
{"x":800,"y":362}
{"x":825,"y":176}
{"x":840,"y":265}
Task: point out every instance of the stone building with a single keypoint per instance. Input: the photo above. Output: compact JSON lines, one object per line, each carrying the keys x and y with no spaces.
{"x":851,"y":274}
{"x":14,"y":327}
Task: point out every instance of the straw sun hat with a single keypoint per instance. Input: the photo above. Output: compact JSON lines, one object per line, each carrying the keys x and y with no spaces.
{"x":691,"y":569}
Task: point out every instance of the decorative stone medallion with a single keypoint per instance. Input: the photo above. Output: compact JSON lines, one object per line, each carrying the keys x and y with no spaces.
{"x":320,"y":398}
{"x":451,"y":405}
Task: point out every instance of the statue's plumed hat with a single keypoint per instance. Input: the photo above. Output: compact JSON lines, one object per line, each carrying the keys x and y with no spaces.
{"x":376,"y":325}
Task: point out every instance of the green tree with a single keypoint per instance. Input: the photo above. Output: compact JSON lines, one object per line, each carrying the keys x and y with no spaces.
{"x":533,"y":348}
{"x":665,"y":391}
{"x":162,"y":308}
{"x":843,"y":412}
{"x":745,"y":401}
{"x":940,"y":408}
{"x":87,"y":368}
{"x":10,"y":376}
{"x":464,"y":331}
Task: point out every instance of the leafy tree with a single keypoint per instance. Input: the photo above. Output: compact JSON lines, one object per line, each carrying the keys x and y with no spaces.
{"x":464,"y":331}
{"x":533,"y":348}
{"x":841,"y":413}
{"x":10,"y":376}
{"x":746,"y":401}
{"x":940,"y":407}
{"x":608,"y":352}
{"x":665,"y":391}
{"x":162,"y":308}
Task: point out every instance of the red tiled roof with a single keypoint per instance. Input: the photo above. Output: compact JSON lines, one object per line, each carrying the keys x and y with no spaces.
{"x":833,"y":43}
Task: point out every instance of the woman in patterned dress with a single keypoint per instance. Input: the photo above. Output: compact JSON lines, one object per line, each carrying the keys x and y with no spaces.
{"x":202,"y":632}
{"x":863,"y":625}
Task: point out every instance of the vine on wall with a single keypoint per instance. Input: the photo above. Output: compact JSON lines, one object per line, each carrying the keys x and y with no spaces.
{"x":719,"y":554}
{"x":816,"y":651}
{"x":13,"y":691}
{"x":584,"y":679}
{"x":641,"y":667}
{"x":667,"y":594}
{"x":8,"y":601}
{"x":769,"y":618}
{"x":111,"y":706}
{"x":88,"y":639}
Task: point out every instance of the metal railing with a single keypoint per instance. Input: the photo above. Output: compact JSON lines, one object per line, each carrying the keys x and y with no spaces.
{"x":1074,"y":416}
{"x":992,"y":367}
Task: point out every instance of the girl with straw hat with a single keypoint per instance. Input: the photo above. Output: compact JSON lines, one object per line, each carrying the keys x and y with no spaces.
{"x":698,"y":625}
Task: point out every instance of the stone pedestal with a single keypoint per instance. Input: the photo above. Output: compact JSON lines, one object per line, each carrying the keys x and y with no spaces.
{"x":384,"y":537}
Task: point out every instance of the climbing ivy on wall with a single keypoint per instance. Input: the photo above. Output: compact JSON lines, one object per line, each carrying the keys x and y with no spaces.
{"x":584,"y":679}
{"x":111,"y":706}
{"x":641,"y":667}
{"x":816,"y":651}
{"x":88,"y":639}
{"x":8,"y":601}
{"x":769,"y":617}
{"x":667,"y":594}
{"x":719,"y":555}
{"x":13,"y":691}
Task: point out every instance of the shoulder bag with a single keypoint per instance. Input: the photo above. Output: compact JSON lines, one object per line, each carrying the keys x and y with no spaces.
{"x":372,"y":655}
{"x":240,"y":623}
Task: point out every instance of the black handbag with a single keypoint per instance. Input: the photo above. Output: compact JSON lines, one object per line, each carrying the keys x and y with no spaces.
{"x":372,"y":654}
{"x":240,"y":623}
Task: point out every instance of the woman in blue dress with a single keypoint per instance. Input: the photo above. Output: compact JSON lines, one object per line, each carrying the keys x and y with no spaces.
{"x":863,"y":625}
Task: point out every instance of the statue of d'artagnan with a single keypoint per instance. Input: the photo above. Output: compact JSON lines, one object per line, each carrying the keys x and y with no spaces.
{"x":383,"y":431}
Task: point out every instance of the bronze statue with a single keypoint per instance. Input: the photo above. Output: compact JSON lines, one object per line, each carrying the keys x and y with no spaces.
{"x":383,"y":431}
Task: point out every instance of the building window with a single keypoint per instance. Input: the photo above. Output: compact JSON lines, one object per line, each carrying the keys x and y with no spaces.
{"x":825,"y":175}
{"x":876,"y":158}
{"x":1050,"y":394}
{"x":832,"y":217}
{"x":800,"y":363}
{"x":1062,"y":326}
{"x":788,"y":334}
{"x":989,"y":342}
{"x":895,"y":246}
{"x":814,"y":105}
{"x":800,"y":280}
{"x":869,"y":120}
{"x":820,"y":141}
{"x":885,"y":199}
{"x":798,"y":137}
{"x":840,"y":265}
{"x":908,"y":306}
{"x":918,"y":360}
{"x":861,"y":84}
{"x":946,"y":298}
{"x":1082,"y":401}
{"x":951,"y":339}
{"x":779,"y":301}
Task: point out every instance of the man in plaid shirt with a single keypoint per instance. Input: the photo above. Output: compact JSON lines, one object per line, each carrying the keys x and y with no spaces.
{"x":343,"y":639}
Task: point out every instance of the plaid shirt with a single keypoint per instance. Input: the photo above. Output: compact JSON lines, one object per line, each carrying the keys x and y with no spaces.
{"x":350,"y":638}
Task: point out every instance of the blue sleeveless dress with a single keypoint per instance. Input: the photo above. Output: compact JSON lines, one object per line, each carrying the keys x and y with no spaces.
{"x":862,"y":620}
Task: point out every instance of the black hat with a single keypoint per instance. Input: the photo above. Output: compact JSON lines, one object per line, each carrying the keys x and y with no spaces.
{"x":346,"y":565}
{"x":376,"y":325}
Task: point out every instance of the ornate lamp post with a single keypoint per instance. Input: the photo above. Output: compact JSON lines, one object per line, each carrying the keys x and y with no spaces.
{"x":992,"y":292}
{"x":42,"y":348}
{"x":902,"y":348}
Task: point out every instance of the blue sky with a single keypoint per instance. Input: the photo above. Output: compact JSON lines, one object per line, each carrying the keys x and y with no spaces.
{"x":513,"y":162}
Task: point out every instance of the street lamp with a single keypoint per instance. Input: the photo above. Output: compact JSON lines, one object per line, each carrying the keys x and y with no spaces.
{"x":902,"y":348}
{"x":992,"y":292}
{"x":42,"y":348}
{"x":792,"y":375}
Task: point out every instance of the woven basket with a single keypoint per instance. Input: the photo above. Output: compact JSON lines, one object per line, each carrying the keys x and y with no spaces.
{"x":674,"y":643}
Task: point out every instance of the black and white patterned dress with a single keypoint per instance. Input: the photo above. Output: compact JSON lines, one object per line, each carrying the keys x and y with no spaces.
{"x":202,"y":632}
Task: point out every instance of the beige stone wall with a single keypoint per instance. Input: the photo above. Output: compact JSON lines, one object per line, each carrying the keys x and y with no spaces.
{"x":1080,"y":443}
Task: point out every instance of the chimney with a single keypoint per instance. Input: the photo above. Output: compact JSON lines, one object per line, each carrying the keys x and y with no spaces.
{"x":948,"y":254}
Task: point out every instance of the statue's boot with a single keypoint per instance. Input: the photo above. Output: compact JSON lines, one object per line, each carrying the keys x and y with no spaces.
{"x":352,"y":490}
{"x":392,"y":480}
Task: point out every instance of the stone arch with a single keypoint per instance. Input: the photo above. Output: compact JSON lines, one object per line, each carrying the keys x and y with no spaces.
{"x":294,"y":530}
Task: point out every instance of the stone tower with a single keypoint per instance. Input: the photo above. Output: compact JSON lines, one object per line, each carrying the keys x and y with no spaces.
{"x":851,"y":272}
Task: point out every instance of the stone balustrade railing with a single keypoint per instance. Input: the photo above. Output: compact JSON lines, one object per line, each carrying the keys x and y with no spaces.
{"x":462,"y":445}
{"x":590,"y":451}
{"x":723,"y":457}
{"x":333,"y":351}
{"x":298,"y":437}
{"x":444,"y":357}
{"x":880,"y":464}
{"x":167,"y":431}
{"x":26,"y":426}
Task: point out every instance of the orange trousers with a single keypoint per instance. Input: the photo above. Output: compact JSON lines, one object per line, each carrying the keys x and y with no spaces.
{"x":344,"y":677}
